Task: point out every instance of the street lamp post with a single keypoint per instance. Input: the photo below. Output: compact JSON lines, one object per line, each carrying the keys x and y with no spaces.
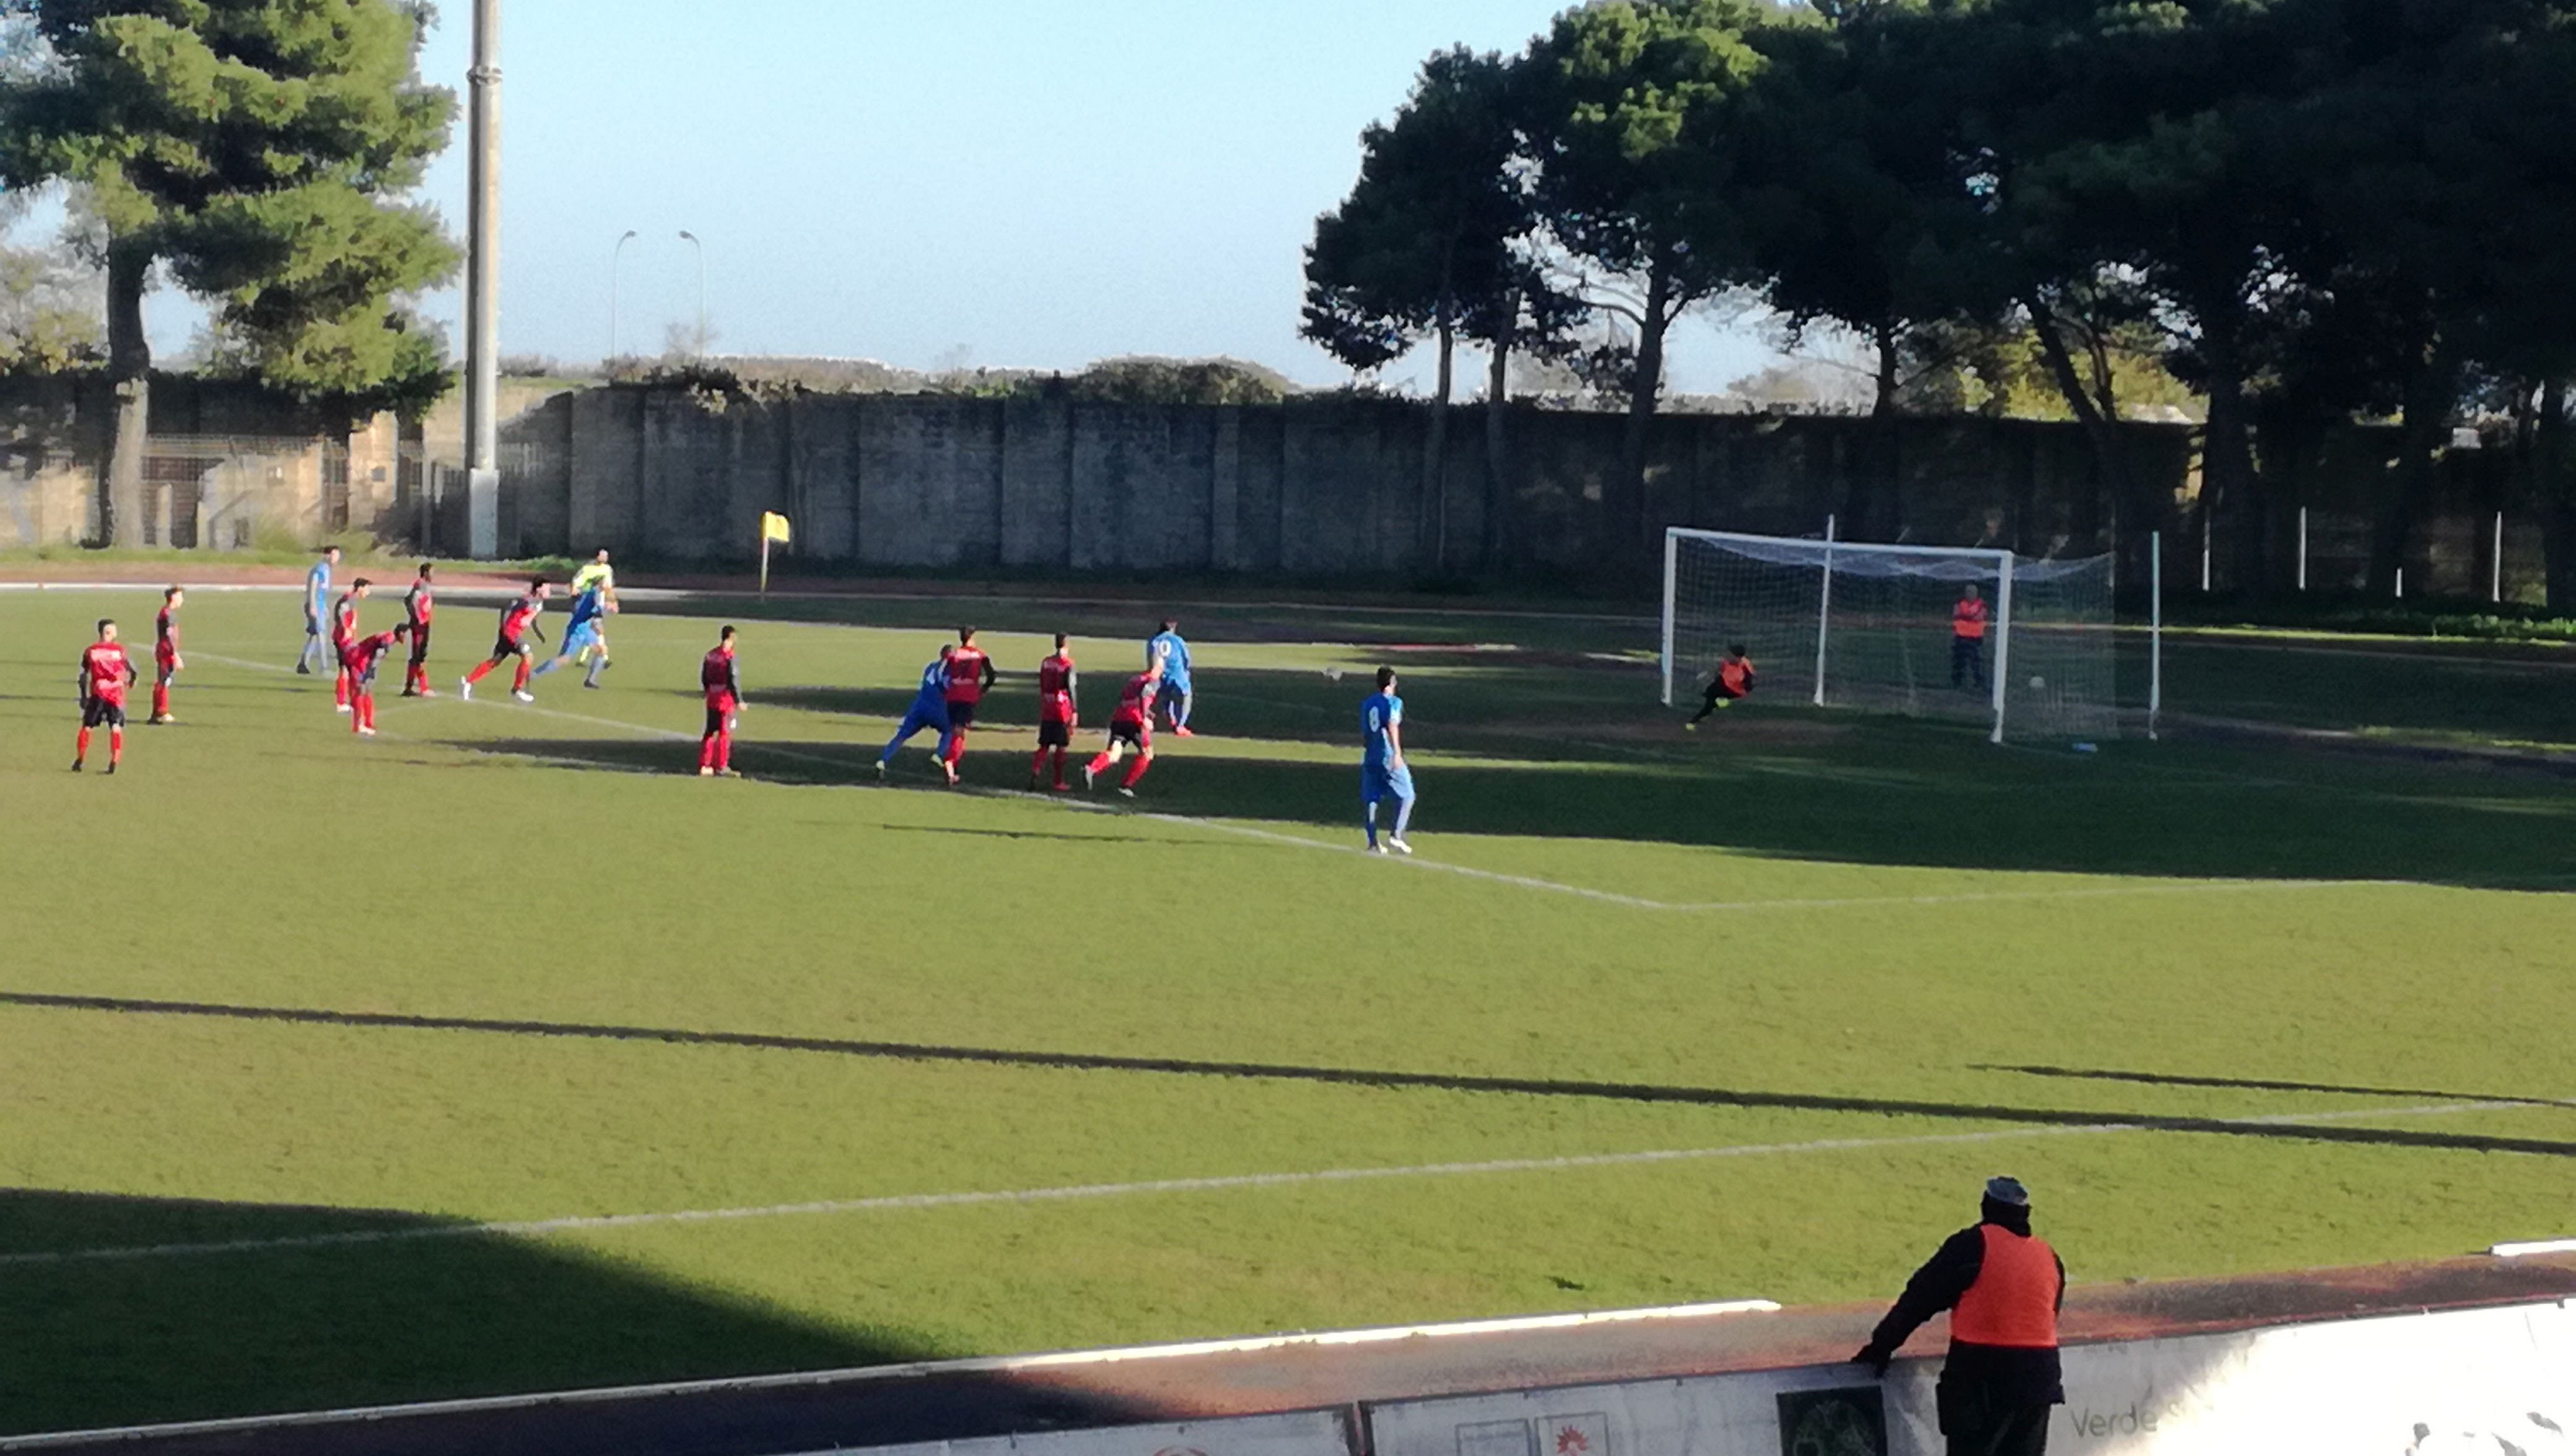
{"x":614,"y":255}
{"x":699,"y":343}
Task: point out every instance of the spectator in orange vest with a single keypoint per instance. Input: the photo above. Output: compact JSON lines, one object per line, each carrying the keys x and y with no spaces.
{"x":1968,"y":638}
{"x":2004,"y":1287}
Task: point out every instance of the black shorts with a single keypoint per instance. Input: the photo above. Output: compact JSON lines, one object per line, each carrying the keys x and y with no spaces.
{"x":961,"y":715}
{"x":420,"y":642}
{"x":100,"y":713}
{"x":1721,"y":692}
{"x":1128,"y":731}
{"x":503,"y":649}
{"x":1054,"y":733}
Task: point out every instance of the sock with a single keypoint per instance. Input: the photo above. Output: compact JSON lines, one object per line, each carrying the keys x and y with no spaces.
{"x":724,"y":749}
{"x":1036,"y":764}
{"x":115,"y":746}
{"x":598,"y":665}
{"x":1403,"y":816}
{"x":1136,"y":772}
{"x":549,"y":665}
{"x":519,"y":684}
{"x":1059,"y":765}
{"x":476,"y":675}
{"x":340,"y":689}
{"x":358,"y":709}
{"x":1100,"y":763}
{"x":956,"y":746}
{"x":160,"y":700}
{"x":707,"y":751}
{"x":82,"y":752}
{"x":1372,"y":823}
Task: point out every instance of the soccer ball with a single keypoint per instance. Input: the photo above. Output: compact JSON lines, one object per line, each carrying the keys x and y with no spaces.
{"x":1334,"y":673}
{"x":2038,"y":683}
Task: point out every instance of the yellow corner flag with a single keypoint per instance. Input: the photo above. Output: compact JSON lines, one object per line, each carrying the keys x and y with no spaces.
{"x":774,"y":527}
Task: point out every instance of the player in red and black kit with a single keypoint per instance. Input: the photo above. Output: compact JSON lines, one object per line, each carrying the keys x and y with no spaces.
{"x":105,"y":673}
{"x":344,"y":630}
{"x":359,"y":660}
{"x":1056,"y":712}
{"x":166,"y":664}
{"x":419,"y":605}
{"x":970,"y":674}
{"x":1132,"y":726}
{"x":518,"y":619}
{"x":721,"y":679}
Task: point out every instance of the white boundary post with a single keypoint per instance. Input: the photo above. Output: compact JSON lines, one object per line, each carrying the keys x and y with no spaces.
{"x":1672,"y":559}
{"x":2495,"y":592}
{"x":2003,"y":642}
{"x":1824,"y":611}
{"x":2303,"y":548}
{"x":2156,"y":620}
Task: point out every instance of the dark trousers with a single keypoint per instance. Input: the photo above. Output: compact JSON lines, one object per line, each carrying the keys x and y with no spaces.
{"x":2018,"y":1431}
{"x":1967,"y":659}
{"x":1980,"y":1420}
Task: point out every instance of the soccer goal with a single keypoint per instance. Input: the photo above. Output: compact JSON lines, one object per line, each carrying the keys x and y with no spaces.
{"x":1845,"y":624}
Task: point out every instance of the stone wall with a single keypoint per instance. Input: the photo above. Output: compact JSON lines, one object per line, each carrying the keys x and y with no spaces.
{"x":1311,"y":488}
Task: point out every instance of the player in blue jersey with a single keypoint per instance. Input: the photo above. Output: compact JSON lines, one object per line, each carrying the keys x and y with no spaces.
{"x":1383,"y":774}
{"x":1165,"y":648}
{"x":586,"y":634}
{"x":929,"y":710}
{"x":317,"y":614}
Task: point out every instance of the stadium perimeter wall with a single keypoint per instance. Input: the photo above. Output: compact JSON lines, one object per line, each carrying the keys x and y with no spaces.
{"x":1310,"y":488}
{"x":2485,"y":1380}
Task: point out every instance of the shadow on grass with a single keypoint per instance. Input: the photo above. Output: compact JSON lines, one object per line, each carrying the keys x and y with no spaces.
{"x":2256,"y":1084}
{"x":123,"y":1310}
{"x":1926,"y":804}
{"x":1338,"y":1076}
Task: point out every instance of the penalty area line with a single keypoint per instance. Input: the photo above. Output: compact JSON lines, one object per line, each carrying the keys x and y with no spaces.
{"x":1086,"y":1192}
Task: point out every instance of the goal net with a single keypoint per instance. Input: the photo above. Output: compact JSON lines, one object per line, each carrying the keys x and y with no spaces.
{"x":1848,"y":625}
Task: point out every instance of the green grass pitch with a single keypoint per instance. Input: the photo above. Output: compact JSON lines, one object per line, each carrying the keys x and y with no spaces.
{"x":1851,"y":966}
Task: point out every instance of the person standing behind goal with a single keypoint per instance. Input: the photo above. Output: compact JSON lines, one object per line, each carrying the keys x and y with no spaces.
{"x":1968,"y":638}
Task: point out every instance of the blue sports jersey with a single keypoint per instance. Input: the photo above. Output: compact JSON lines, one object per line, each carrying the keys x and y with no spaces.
{"x":1379,"y":716}
{"x":587,"y":608}
{"x":1168,"y":649}
{"x":317,"y":588}
{"x":932,"y":698}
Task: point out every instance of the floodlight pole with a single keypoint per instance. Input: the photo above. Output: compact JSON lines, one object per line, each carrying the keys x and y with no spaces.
{"x":1824,"y":610}
{"x":2495,"y":592}
{"x":698,"y":345}
{"x":616,"y":255}
{"x":483,"y":289}
{"x":2303,"y":548}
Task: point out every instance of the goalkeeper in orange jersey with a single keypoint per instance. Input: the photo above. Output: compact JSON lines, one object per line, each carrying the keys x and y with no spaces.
{"x":1733,"y":684}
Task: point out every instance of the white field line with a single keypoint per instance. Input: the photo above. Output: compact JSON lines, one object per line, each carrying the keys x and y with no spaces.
{"x":2534,"y":1248}
{"x":1083,"y":1192}
{"x":1527,"y":882}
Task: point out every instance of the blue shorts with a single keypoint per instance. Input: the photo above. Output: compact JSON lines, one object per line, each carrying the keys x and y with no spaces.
{"x":1379,"y":782}
{"x":585,"y":635}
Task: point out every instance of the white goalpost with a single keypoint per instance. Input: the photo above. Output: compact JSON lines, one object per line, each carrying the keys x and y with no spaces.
{"x":1875,"y":624}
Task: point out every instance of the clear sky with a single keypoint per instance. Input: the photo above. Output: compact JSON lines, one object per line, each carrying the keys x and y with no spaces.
{"x":1007,"y":182}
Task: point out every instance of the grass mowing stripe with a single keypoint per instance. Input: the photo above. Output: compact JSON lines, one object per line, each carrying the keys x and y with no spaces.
{"x":1223,"y":1183}
{"x":1608,"y":897}
{"x":1330,"y":1076}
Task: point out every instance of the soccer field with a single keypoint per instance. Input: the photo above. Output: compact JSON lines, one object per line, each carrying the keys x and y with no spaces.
{"x":503,"y":1053}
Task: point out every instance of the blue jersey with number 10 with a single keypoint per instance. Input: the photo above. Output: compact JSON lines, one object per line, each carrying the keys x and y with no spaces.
{"x":1379,"y":716}
{"x":1168,"y":649}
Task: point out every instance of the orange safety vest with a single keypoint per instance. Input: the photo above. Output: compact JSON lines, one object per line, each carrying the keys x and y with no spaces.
{"x":1968,"y":621}
{"x":2014,"y":1301}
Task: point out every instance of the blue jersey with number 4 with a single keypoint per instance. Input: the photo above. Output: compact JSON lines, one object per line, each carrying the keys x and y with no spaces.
{"x":931,"y":699}
{"x":1379,"y":717}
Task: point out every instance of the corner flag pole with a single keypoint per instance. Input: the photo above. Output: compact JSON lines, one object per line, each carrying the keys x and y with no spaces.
{"x":764,"y":565}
